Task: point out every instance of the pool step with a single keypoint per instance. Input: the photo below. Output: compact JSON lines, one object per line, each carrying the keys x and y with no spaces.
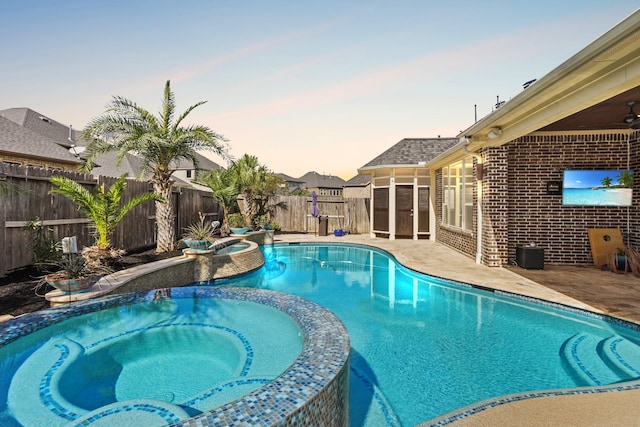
{"x":596,"y":361}
{"x":623,"y":355}
{"x":368,"y":405}
{"x":225,"y":392}
{"x":36,"y":381}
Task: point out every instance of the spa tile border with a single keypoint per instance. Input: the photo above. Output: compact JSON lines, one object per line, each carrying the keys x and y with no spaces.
{"x":313,"y":391}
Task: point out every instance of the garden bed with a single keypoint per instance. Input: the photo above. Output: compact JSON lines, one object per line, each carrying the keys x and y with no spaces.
{"x":18,"y":289}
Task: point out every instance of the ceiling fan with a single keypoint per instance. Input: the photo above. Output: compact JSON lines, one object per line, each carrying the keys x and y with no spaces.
{"x":632,"y":119}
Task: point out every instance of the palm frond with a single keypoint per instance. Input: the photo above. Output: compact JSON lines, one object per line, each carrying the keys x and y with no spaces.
{"x":168,"y":108}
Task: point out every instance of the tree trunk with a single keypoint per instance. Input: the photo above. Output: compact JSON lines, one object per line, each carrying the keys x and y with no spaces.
{"x":164,"y":218}
{"x":247,"y":209}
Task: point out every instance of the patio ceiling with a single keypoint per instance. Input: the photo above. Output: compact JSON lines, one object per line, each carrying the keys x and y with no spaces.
{"x":588,"y":92}
{"x":606,"y":115}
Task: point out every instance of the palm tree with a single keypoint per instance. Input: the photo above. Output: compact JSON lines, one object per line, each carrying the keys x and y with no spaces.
{"x":102,"y":207}
{"x":256,"y":183}
{"x":225,"y":191}
{"x":606,"y":181}
{"x":625,"y":178}
{"x":159,"y":141}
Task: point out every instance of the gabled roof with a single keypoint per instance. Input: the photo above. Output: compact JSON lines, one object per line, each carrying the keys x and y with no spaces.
{"x":178,"y":182}
{"x":18,"y":140}
{"x":358,"y":181}
{"x":132,"y":165}
{"x":108,"y":165}
{"x":315,"y":180}
{"x":43,"y":125}
{"x":204,"y":164}
{"x":288,"y":178}
{"x":411,"y":152}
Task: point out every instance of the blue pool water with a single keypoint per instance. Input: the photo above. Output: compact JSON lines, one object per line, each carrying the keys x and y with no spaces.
{"x":236,"y":247}
{"x":176,"y":357}
{"x":423,"y":346}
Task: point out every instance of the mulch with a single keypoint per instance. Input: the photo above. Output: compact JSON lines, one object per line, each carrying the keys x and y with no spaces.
{"x":22,"y":291}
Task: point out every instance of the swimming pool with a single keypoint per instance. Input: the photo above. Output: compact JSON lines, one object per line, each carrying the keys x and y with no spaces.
{"x":170,"y":356}
{"x":424,"y":346}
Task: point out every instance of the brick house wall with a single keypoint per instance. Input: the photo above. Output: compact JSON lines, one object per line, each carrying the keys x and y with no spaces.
{"x":537,"y":217}
{"x":517,"y":209}
{"x":43,"y":163}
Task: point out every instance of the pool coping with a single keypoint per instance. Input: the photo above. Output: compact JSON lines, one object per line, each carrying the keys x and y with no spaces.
{"x":195,"y":265}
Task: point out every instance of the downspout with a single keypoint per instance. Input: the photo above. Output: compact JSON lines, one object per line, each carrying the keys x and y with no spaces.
{"x":479,"y":188}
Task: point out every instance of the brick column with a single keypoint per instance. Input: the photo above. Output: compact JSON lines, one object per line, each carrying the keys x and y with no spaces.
{"x":495,"y":219}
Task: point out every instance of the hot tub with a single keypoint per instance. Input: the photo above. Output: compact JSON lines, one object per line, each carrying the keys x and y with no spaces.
{"x":171,"y":355}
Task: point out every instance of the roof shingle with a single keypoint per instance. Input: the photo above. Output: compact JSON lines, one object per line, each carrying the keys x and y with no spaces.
{"x":411,"y":151}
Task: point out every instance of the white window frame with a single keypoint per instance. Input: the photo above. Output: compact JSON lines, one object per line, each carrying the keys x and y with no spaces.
{"x":457,"y":194}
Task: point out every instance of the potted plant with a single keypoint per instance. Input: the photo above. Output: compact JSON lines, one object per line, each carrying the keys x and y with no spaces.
{"x":201,"y":234}
{"x":73,"y":273}
{"x":237,"y":224}
{"x":262,"y":222}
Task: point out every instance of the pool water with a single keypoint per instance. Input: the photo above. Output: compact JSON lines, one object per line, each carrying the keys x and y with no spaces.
{"x":236,"y":247}
{"x":423,"y":346}
{"x":179,"y":356}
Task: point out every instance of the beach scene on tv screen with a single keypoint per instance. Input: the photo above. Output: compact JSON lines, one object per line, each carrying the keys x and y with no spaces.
{"x":597,"y":187}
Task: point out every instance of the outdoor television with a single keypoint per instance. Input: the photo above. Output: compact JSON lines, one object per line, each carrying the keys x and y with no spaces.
{"x":613,"y":187}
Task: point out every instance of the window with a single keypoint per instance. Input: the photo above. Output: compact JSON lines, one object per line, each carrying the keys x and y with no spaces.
{"x":188,"y":173}
{"x":457,"y":194}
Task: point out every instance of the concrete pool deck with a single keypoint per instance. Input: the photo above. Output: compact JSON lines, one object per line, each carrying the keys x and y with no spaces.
{"x":587,"y":288}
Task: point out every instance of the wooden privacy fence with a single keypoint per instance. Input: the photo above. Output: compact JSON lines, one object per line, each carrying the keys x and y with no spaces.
{"x":25,"y":196}
{"x":293,"y":214}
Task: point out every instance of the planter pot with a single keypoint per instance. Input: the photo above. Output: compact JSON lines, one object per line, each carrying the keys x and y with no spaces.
{"x":197,"y":244}
{"x":243,"y":230}
{"x":70,"y":286}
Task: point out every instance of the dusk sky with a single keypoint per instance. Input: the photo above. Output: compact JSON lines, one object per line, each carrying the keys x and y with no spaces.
{"x":303,"y":85}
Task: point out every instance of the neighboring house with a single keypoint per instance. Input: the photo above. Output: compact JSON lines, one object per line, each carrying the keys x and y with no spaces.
{"x":185,"y":170}
{"x":401,"y":188}
{"x":22,"y":146}
{"x":184,"y":176}
{"x":290,"y":184}
{"x":358,"y":187}
{"x":500,"y":186}
{"x":30,"y":138}
{"x":323,"y":185}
